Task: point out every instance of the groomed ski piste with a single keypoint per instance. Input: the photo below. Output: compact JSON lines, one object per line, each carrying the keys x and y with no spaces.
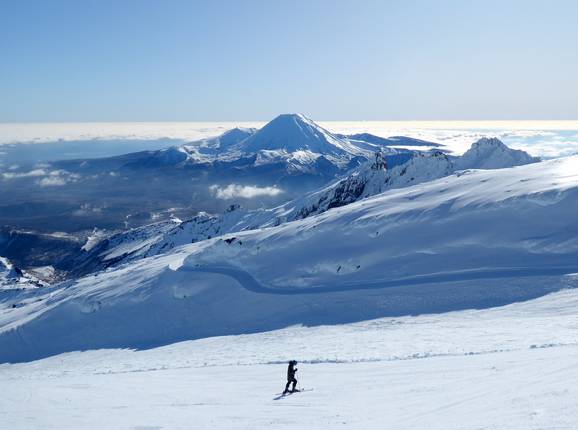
{"x":509,"y":367}
{"x":446,"y":305}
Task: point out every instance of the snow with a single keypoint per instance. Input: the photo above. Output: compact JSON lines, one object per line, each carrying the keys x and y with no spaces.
{"x":222,"y":143}
{"x":511,"y":366}
{"x":290,"y":138}
{"x":491,"y":153}
{"x":432,"y":294}
{"x":234,"y":136}
{"x":423,"y":167}
{"x":295,"y":132}
{"x":368,"y":180}
{"x":413,"y":250}
{"x":93,"y":239}
{"x":12,"y":278}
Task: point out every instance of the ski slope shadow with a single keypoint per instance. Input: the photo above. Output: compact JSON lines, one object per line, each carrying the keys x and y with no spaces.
{"x":247,"y":281}
{"x":178,"y":308}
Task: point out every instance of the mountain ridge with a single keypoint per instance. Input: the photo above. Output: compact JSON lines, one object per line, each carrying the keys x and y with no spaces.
{"x":382,"y":256}
{"x":368,"y":180}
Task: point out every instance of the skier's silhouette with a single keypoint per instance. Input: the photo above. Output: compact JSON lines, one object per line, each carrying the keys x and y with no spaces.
{"x":291,"y":370}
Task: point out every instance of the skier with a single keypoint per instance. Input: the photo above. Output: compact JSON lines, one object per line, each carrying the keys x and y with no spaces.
{"x":291,"y":370}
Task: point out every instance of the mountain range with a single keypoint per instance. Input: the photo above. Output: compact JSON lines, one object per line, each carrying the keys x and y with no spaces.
{"x":65,"y":201}
{"x":369,"y":179}
{"x":400,"y":231}
{"x":416,"y":249}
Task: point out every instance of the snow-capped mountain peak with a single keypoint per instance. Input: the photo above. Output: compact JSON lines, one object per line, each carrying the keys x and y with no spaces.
{"x":295,"y":132}
{"x":234,"y":136}
{"x":492,"y":153}
{"x":489,"y":142}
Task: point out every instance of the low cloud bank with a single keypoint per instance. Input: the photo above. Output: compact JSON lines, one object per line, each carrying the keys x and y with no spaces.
{"x":243,"y":191}
{"x":30,"y":174}
{"x":54,"y":178}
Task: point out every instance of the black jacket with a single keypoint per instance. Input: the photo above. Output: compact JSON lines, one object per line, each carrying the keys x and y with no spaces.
{"x":291,"y":371}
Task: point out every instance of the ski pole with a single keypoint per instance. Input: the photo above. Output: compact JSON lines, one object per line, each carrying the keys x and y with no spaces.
{"x":299,"y":381}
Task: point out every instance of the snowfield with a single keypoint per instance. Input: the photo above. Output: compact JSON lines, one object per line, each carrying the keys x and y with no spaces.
{"x":510,"y":367}
{"x":415,"y":250}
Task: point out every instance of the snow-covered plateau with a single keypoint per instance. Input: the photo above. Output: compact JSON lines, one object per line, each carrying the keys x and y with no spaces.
{"x":439,"y":293}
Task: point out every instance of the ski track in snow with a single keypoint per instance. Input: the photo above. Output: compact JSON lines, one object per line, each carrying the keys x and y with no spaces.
{"x":510,"y":367}
{"x":251,"y":284}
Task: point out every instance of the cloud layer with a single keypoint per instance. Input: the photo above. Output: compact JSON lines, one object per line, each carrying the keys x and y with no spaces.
{"x":541,"y":138}
{"x":233,"y":191}
{"x":47,"y":178}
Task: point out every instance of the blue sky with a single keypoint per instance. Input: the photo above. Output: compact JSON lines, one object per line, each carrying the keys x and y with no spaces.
{"x":176,"y":60}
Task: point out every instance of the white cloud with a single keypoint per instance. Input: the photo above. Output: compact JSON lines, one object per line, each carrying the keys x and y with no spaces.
{"x":456,"y":135}
{"x":243,"y":191}
{"x":527,"y":133}
{"x":57,"y":178}
{"x":63,"y":132}
{"x":32,"y":173}
{"x":87,"y":209}
{"x":52,"y":181}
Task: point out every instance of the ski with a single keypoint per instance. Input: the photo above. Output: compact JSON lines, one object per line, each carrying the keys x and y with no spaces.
{"x":279,"y":396}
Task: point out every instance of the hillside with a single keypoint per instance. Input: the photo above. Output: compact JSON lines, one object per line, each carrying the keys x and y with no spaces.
{"x":374,"y":177}
{"x":420,"y":249}
{"x":427,"y":371}
{"x":13,"y":278}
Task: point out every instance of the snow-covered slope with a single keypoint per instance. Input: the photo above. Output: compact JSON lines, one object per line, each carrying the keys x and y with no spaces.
{"x":295,"y":132}
{"x":206,"y":149}
{"x":370,"y":179}
{"x":374,"y":177}
{"x":289,"y":138}
{"x":475,"y":369}
{"x":158,"y":238}
{"x":233,"y":137}
{"x":472,"y":239}
{"x":12,"y":278}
